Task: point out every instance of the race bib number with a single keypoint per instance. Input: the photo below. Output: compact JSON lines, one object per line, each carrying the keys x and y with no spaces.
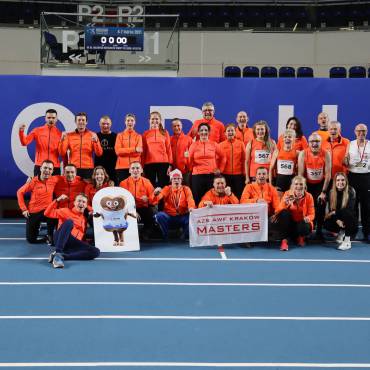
{"x":285,"y":167}
{"x":315,"y":174}
{"x":262,"y":156}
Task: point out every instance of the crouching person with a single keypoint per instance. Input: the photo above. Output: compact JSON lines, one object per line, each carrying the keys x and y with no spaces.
{"x":178,"y":201}
{"x":68,"y":238}
{"x":295,"y":213}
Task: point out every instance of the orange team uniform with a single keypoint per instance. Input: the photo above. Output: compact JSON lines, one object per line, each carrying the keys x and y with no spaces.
{"x":47,"y":143}
{"x":324,"y":135}
{"x":91,"y":190}
{"x":299,"y":144}
{"x":217,"y":133}
{"x":301,"y":209}
{"x":205,"y":157}
{"x":259,"y":157}
{"x":252,"y":192}
{"x":314,"y":166}
{"x":212,"y":196}
{"x":69,"y":188}
{"x":81,"y":149}
{"x":245,"y":135}
{"x":176,"y":201}
{"x":156,"y":147}
{"x":337,"y":150}
{"x":64,"y":214}
{"x":179,"y":145}
{"x":234,"y":153}
{"x":41,"y":194}
{"x":286,"y":162}
{"x":125,"y":148}
{"x":139,"y":188}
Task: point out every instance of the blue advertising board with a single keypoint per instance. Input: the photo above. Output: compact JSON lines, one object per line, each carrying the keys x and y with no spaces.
{"x":24,"y":100}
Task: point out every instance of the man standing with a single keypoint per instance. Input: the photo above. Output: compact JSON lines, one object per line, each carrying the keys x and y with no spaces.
{"x":323,"y":121}
{"x":82,"y":144}
{"x":243,"y":132}
{"x":47,"y":139}
{"x":41,"y":188}
{"x":217,"y":133}
{"x":107,"y":140}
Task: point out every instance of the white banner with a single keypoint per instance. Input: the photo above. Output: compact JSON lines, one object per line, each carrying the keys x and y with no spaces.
{"x":229,"y":224}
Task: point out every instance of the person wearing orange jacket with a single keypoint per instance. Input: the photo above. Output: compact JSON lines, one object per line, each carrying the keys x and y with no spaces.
{"x":234,"y":152}
{"x":217,"y":129}
{"x":41,"y":188}
{"x":157,"y":153}
{"x":205,"y":161}
{"x":295,"y":213}
{"x":69,"y":184}
{"x":293,"y":123}
{"x":219,"y":195}
{"x":129,"y":147}
{"x":143,"y":192}
{"x":180,"y":144}
{"x":69,"y":244}
{"x":261,"y":191}
{"x":323,"y":121}
{"x":82,"y":144}
{"x":47,"y":139}
{"x":243,"y":132}
{"x":178,"y":201}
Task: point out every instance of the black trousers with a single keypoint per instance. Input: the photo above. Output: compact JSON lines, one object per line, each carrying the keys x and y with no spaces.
{"x":36,"y":170}
{"x":236,"y":183}
{"x":349,"y":220}
{"x":85,"y":173}
{"x":315,"y":190}
{"x":286,"y":227}
{"x":361,"y":183}
{"x":157,"y":174}
{"x":33,"y":225}
{"x":200,"y":184}
{"x":146,"y":215}
{"x":122,"y":174}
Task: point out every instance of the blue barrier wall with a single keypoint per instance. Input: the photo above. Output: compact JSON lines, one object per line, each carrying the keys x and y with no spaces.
{"x":24,"y":99}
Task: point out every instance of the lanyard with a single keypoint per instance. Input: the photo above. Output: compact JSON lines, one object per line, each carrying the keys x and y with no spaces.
{"x":176,"y":199}
{"x":363,"y":152}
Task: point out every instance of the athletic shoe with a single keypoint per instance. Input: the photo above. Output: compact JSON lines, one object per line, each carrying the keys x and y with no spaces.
{"x":300,"y":241}
{"x":58,"y":261}
{"x":340,"y":236}
{"x":345,"y":245}
{"x":284,"y":245}
{"x":51,"y":257}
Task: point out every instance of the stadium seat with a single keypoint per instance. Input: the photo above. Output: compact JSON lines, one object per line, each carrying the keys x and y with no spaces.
{"x":251,"y":71}
{"x":286,"y":72}
{"x":268,"y":72}
{"x":357,"y":72}
{"x":304,"y":72}
{"x":232,"y":71}
{"x":338,"y":72}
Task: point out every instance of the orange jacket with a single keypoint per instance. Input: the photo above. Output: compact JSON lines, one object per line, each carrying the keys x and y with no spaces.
{"x":303,"y":208}
{"x":139,"y":188}
{"x":205,"y":157}
{"x":125,"y":147}
{"x":314,"y":166}
{"x":156,"y":147}
{"x":41,"y":194}
{"x":234,"y":153}
{"x":176,"y":201}
{"x":324,"y":135}
{"x":91,"y":190}
{"x":71,"y":189}
{"x":47,"y":143}
{"x":63,"y":214}
{"x":245,"y":135}
{"x":253,"y":192}
{"x":217,"y":133}
{"x":212,"y":196}
{"x":337,"y":150}
{"x":81,"y":148}
{"x":300,"y":143}
{"x":259,"y":157}
{"x":179,"y":145}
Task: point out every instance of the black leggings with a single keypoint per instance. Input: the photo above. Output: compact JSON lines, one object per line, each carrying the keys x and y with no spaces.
{"x":33,"y":225}
{"x":236,"y":183}
{"x":286,"y":227}
{"x":122,"y":174}
{"x":315,"y":190}
{"x":200,"y":184}
{"x":157,"y":174}
{"x":349,"y":220}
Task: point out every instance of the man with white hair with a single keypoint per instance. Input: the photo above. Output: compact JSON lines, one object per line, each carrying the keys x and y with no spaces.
{"x":358,"y":160}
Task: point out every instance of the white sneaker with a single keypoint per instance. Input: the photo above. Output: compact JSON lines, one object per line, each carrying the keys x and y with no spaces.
{"x":340,"y":236}
{"x":346,"y":244}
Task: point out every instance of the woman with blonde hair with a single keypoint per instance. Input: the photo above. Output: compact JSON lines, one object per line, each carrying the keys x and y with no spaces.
{"x":259,"y":150}
{"x":341,"y":217}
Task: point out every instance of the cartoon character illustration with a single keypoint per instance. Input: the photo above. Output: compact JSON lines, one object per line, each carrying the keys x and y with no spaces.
{"x":114,"y":214}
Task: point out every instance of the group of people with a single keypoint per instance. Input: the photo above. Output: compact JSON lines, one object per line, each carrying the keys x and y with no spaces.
{"x":315,"y":183}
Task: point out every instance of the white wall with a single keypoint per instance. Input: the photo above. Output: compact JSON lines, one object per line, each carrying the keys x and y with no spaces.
{"x":205,"y":53}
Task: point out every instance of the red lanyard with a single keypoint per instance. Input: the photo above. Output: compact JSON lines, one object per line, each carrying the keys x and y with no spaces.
{"x":363,"y":152}
{"x":176,"y":199}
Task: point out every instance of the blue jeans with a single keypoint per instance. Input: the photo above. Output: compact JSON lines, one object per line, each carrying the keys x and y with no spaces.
{"x":166,"y":222}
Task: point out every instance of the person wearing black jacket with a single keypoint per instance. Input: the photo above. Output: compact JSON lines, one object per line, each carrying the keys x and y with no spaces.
{"x":341,"y":217}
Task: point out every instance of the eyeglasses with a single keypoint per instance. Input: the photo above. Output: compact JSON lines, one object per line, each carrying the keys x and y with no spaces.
{"x":315,"y":141}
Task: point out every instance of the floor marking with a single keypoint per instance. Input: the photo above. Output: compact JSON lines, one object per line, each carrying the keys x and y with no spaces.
{"x":189,"y":364}
{"x":222,"y":252}
{"x":12,"y":238}
{"x":151,"y":283}
{"x":12,"y":223}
